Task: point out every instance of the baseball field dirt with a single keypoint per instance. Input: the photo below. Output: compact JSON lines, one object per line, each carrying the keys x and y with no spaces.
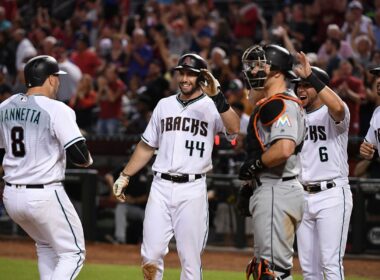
{"x":212,"y":259}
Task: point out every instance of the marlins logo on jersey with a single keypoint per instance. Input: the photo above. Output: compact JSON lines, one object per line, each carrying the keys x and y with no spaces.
{"x":283,"y":121}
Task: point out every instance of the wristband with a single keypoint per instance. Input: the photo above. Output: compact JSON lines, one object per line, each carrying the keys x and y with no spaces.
{"x":220,"y":102}
{"x":315,"y":82}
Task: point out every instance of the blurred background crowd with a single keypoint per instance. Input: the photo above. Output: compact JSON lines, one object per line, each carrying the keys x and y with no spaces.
{"x":119,"y":54}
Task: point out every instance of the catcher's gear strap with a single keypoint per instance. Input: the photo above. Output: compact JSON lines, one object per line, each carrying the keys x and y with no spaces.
{"x":270,"y":111}
{"x":79,"y":154}
{"x":265,"y":269}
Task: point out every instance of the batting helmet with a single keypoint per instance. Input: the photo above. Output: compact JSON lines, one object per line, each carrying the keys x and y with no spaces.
{"x":192,"y":62}
{"x":375,"y":71}
{"x":276,"y":56}
{"x":320,"y":73}
{"x":38,"y":68}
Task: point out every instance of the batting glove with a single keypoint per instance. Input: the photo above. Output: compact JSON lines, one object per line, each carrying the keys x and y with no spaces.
{"x":209,"y":85}
{"x":119,"y":186}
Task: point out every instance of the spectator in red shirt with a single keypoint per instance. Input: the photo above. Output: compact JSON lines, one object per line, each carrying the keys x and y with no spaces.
{"x":83,"y":102}
{"x":352,"y":91}
{"x":86,"y":59}
{"x":110,"y":92}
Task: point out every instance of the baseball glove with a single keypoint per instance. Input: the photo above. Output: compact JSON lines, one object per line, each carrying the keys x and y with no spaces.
{"x":242,"y":203}
{"x":208,"y":83}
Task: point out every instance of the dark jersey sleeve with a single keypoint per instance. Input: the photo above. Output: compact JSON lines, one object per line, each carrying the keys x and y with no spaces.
{"x":78,"y":154}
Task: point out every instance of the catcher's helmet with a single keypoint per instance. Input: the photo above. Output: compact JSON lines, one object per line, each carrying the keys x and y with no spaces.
{"x":38,"y":68}
{"x":191,"y":61}
{"x":375,"y":71}
{"x":276,"y":56}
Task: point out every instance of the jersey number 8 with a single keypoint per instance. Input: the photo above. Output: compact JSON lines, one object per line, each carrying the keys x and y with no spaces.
{"x":18,"y":146}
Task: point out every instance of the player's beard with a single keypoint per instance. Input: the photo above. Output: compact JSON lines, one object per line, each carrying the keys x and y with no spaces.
{"x":190,"y":92}
{"x":378,"y":88}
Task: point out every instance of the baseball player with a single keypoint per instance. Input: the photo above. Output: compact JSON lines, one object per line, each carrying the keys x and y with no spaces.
{"x":371,"y":141}
{"x":322,"y":235}
{"x":182,"y":129}
{"x":36,"y":134}
{"x":276,"y":132}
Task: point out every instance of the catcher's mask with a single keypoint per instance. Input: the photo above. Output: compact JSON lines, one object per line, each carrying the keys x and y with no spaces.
{"x":277,"y":57}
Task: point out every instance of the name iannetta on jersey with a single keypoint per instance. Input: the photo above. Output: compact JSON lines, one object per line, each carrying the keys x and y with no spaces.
{"x":20,"y":114}
{"x":184,"y":124}
{"x":316,"y":132}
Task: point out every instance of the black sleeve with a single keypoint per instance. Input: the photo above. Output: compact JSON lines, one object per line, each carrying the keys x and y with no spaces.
{"x":78,"y":153}
{"x":2,"y":154}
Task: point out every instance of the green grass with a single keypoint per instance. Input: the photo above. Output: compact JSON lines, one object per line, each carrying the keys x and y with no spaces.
{"x":13,"y":269}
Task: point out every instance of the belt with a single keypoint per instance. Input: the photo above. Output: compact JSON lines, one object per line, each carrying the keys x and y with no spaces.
{"x":284,"y":179}
{"x":184,"y":178}
{"x":316,"y":188}
{"x":38,"y":186}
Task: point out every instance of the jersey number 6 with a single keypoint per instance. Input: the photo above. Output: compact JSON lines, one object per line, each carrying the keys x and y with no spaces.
{"x":18,"y":146}
{"x":323,"y":155}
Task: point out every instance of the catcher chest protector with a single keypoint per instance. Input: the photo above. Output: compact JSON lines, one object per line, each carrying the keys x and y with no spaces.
{"x":39,"y":68}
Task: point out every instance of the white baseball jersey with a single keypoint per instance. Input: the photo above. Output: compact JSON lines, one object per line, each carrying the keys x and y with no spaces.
{"x":184,"y":134}
{"x":35,"y":130}
{"x":373,"y":134}
{"x":324,"y":152}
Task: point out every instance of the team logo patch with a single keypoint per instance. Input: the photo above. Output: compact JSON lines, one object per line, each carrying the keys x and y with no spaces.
{"x":283,"y":121}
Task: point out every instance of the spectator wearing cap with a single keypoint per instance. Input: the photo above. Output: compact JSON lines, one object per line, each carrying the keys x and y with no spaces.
{"x":356,"y":23}
{"x":69,"y":82}
{"x":201,"y":43}
{"x":140,"y":54}
{"x":85,"y":58}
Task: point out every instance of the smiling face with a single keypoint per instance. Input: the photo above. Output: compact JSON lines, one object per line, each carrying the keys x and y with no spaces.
{"x":187,"y":81}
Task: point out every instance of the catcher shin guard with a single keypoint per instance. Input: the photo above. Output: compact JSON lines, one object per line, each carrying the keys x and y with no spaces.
{"x":264,"y":270}
{"x":149,"y":271}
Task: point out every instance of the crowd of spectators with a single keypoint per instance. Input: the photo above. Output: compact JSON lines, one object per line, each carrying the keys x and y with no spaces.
{"x":119,"y":53}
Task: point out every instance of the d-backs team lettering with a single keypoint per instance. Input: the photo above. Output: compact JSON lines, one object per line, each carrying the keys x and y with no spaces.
{"x":184,"y":124}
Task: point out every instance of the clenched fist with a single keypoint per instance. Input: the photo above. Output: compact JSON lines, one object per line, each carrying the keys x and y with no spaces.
{"x":119,"y":186}
{"x":209,"y":85}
